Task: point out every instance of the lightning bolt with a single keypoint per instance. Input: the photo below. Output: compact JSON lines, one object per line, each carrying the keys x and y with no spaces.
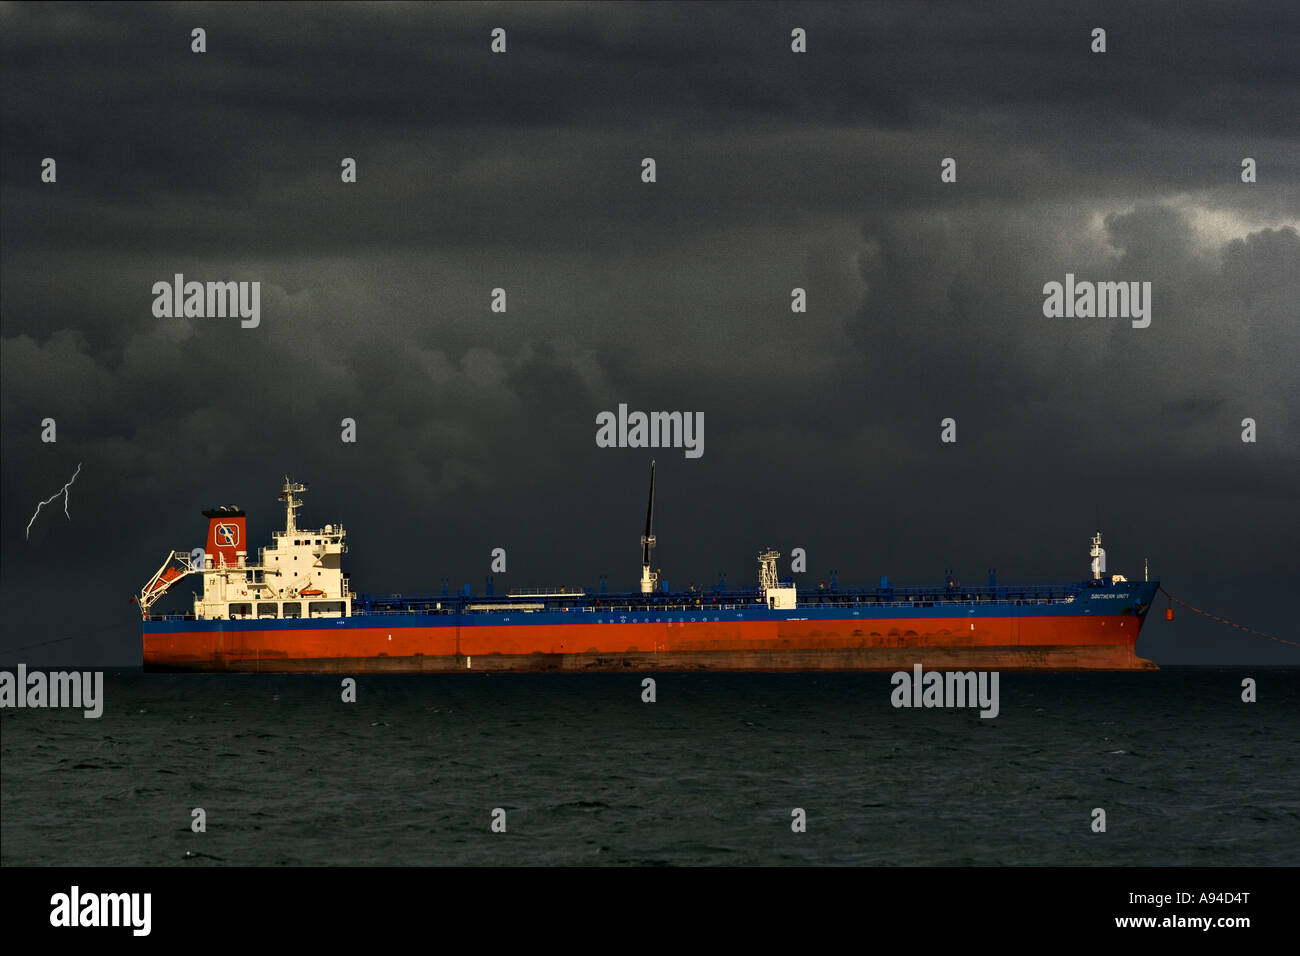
{"x":62,"y":491}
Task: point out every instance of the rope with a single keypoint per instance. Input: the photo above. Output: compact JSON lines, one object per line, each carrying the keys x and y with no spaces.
{"x":60,"y":640}
{"x":1215,"y":617}
{"x":23,"y":647}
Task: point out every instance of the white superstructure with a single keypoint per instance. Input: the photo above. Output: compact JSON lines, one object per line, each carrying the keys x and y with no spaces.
{"x":299,"y":575}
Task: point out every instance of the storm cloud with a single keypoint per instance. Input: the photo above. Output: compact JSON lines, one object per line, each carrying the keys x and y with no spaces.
{"x":776,"y":170}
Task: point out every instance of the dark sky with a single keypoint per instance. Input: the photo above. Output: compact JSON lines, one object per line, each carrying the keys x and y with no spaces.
{"x":775,"y":170}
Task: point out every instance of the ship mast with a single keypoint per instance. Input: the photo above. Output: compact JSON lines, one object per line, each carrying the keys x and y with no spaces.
{"x":649,"y":579}
{"x":776,"y":596}
{"x":291,"y":503}
{"x":1098,"y":555}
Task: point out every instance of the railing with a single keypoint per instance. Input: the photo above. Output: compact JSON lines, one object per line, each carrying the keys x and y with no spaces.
{"x":726,"y":600}
{"x":699,"y":601}
{"x":546,"y":592}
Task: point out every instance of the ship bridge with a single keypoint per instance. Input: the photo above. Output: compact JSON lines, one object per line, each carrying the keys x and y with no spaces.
{"x":299,"y":575}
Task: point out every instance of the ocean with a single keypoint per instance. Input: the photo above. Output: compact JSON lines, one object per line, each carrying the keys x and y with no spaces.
{"x":711,"y":773}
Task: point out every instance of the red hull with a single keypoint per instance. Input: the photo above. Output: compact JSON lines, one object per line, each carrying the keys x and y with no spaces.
{"x":1011,"y":643}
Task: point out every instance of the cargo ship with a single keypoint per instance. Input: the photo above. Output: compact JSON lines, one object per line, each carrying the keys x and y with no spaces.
{"x":292,"y":610}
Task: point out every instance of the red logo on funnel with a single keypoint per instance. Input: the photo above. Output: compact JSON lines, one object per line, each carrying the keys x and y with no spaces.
{"x":227,"y":535}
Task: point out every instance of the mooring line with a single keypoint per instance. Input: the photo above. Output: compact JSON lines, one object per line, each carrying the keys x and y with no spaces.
{"x":1222,"y":620}
{"x":59,"y":640}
